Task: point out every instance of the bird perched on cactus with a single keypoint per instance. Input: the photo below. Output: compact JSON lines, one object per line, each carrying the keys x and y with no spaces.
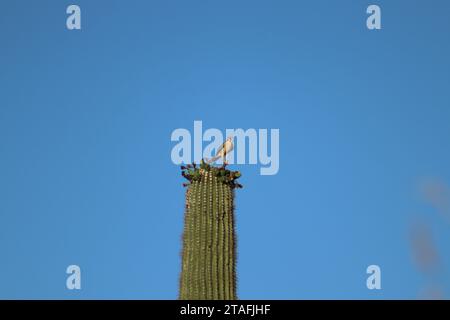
{"x":223,"y":150}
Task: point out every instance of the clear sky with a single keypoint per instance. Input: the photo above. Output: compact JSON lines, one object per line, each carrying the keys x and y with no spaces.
{"x":86,"y":116}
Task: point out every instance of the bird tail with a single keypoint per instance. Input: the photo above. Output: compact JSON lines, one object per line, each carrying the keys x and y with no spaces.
{"x":212,"y":159}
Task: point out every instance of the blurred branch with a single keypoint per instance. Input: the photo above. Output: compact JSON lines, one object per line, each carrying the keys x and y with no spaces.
{"x":437,"y":194}
{"x":424,"y":250}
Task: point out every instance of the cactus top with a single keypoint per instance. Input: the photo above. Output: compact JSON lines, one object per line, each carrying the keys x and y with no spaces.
{"x":192,"y":173}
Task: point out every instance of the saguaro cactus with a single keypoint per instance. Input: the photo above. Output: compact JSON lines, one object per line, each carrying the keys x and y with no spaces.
{"x":209,"y":240}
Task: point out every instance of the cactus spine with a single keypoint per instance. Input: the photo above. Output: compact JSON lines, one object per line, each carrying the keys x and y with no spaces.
{"x":208,"y":269}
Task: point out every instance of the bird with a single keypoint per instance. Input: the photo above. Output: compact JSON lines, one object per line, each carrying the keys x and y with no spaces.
{"x":223,"y":150}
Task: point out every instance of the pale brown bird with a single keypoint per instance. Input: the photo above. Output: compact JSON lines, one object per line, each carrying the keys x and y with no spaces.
{"x":223,"y":150}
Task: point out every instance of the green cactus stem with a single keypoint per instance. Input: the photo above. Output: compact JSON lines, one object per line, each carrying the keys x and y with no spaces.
{"x":208,"y":269}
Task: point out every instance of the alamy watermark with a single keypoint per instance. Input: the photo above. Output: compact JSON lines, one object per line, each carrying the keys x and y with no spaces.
{"x":73,"y":21}
{"x":261,"y":151}
{"x":373,"y":22}
{"x":374,"y":280}
{"x":73,"y":281}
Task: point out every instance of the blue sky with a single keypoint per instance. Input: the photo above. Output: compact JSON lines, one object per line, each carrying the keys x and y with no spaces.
{"x":86,"y":117}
